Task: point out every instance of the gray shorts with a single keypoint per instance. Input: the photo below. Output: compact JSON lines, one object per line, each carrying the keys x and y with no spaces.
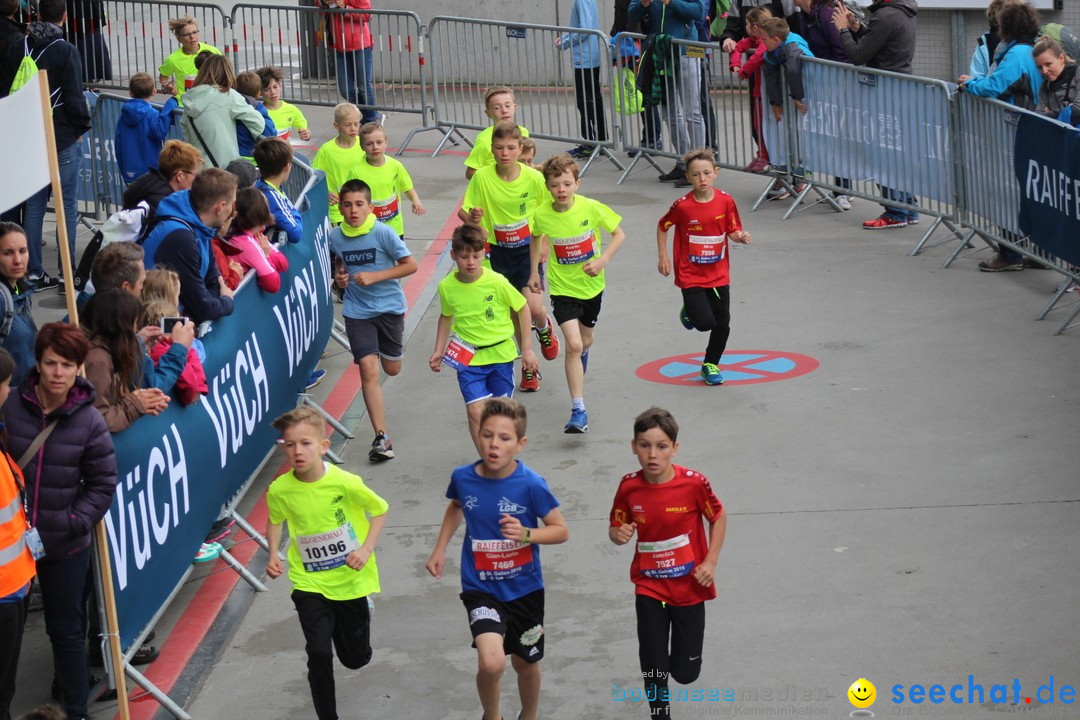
{"x":380,"y":335}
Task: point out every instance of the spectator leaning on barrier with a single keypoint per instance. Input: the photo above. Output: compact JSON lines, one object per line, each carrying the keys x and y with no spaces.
{"x":186,"y":223}
{"x":1014,"y":79}
{"x":177,"y":74}
{"x":178,"y":164}
{"x":71,"y":118}
{"x":986,"y":45}
{"x":1059,"y":96}
{"x":352,"y":43}
{"x":70,"y":482}
{"x":735,"y":26}
{"x":682,"y":86}
{"x":211,"y":110}
{"x":885,"y":42}
{"x":585,"y":49}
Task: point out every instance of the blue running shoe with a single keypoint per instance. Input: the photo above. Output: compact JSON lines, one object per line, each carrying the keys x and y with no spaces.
{"x":712,"y":375}
{"x":684,"y":318}
{"x":578,"y":423}
{"x":315,"y":379}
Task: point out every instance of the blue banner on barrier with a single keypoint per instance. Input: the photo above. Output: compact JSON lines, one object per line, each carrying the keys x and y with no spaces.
{"x":1048,"y":169}
{"x":868,"y":126}
{"x":178,"y":469}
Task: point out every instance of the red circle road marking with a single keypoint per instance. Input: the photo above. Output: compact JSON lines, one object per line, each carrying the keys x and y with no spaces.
{"x":739,"y":367}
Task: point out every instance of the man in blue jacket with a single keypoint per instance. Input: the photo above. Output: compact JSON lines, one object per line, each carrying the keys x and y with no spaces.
{"x":586,"y":57}
{"x":184,"y":227}
{"x":682,"y":91}
{"x":71,"y":118}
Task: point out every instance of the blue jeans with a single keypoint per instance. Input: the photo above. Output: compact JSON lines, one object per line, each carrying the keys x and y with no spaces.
{"x":897,"y":213}
{"x":70,"y":161}
{"x":64,"y":588}
{"x":356,"y":81}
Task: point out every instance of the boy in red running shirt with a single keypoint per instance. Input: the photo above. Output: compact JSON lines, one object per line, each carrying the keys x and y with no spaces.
{"x":674,"y":565}
{"x":704,"y":220}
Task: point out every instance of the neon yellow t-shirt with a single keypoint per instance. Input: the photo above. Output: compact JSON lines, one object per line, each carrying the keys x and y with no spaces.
{"x":508,"y":206}
{"x":575,"y":238}
{"x":480,"y":155}
{"x":338,"y":163}
{"x":181,"y":68}
{"x":387,"y":182}
{"x":481,"y":311}
{"x":286,"y":118}
{"x":327,"y":519}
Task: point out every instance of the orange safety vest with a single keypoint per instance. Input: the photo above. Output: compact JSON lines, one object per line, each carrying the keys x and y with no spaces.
{"x":16,"y":563}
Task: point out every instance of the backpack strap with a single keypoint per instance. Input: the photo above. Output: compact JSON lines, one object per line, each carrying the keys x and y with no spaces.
{"x":7,"y":310}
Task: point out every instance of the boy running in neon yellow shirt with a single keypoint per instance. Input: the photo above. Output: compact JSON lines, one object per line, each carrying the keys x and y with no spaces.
{"x":286,"y":116}
{"x":387,"y":178}
{"x":334,"y":521}
{"x":499,"y":105}
{"x":502,"y":198}
{"x":478,"y":304}
{"x":571,"y":224}
{"x":340,"y":156}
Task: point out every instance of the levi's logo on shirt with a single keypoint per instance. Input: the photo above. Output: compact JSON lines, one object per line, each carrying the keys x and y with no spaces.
{"x":359,"y":257}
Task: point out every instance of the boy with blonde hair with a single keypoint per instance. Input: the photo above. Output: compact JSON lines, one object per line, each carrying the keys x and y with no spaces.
{"x":387,"y":178}
{"x":571,"y":225}
{"x":338,"y":158}
{"x":334,"y":522}
{"x":499,"y":105}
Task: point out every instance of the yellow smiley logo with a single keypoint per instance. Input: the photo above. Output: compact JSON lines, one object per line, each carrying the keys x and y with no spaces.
{"x":862,"y":693}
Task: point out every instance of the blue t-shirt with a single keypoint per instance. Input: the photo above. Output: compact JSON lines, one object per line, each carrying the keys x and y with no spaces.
{"x":489,"y":562}
{"x":379,"y":248}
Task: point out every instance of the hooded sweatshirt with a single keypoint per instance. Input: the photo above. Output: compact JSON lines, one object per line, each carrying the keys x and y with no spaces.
{"x":214,"y":114}
{"x":789,"y":57}
{"x":181,"y":241}
{"x":153,"y":187}
{"x":887,"y":40}
{"x":1014,"y":79}
{"x":61,"y":61}
{"x":139,"y":135}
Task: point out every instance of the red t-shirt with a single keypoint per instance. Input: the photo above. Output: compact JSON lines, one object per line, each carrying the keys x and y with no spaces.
{"x":700,"y":244}
{"x":672,"y":537}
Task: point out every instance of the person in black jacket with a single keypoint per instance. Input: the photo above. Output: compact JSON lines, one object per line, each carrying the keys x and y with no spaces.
{"x":71,"y":118}
{"x":186,"y":223}
{"x":178,"y":164}
{"x":70,"y":483}
{"x":885,"y":42}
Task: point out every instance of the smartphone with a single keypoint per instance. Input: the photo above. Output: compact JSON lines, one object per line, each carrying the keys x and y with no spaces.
{"x":167,"y":323}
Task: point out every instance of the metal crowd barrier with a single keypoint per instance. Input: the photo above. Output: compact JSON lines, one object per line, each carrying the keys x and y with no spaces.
{"x":301,"y":41}
{"x":468,"y":56}
{"x":725,"y":107}
{"x":868,"y":131}
{"x":118,"y":38}
{"x":990,"y":192}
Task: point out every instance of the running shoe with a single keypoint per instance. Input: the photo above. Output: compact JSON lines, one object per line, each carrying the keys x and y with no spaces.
{"x":530,"y":381}
{"x":711,"y":374}
{"x":549,"y":342}
{"x":578,"y":422}
{"x":884,"y":223}
{"x":381,"y":449}
{"x":315,"y":378}
{"x":208,"y":552}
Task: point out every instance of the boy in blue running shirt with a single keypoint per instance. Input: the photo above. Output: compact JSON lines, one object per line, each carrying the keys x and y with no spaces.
{"x":273,"y":157}
{"x":500,"y":501}
{"x":374,"y":259}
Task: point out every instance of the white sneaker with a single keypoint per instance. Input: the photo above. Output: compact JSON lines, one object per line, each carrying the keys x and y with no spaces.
{"x":844,"y":201}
